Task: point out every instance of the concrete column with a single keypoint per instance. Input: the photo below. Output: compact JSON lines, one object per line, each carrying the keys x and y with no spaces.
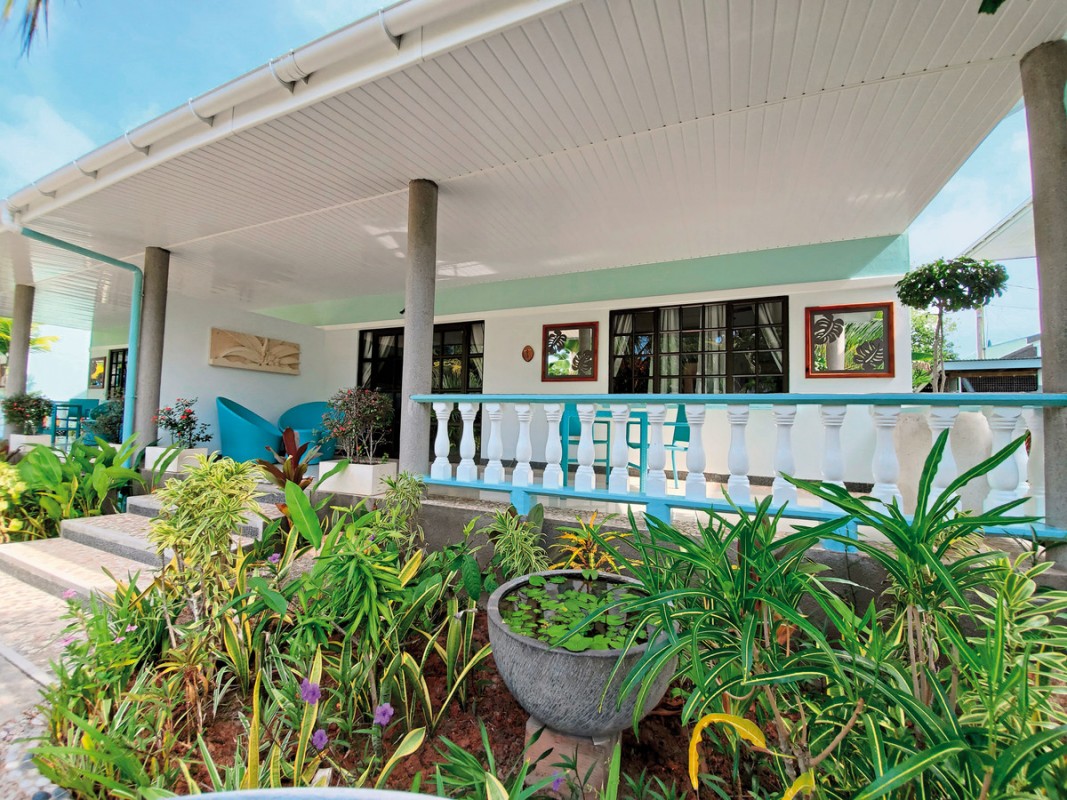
{"x":18,"y":353}
{"x":150,"y":358}
{"x":418,"y":325}
{"x":1044,"y":78}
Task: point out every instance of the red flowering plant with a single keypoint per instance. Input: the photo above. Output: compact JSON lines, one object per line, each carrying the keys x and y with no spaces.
{"x":358,"y":420}
{"x":180,"y":421}
{"x":26,"y":412}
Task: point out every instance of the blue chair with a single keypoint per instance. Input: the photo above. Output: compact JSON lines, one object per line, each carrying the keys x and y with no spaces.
{"x":305,"y":419}
{"x":243,"y":434}
{"x":571,"y":428}
{"x":679,"y":440}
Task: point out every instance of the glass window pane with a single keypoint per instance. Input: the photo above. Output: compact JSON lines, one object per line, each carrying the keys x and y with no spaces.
{"x":715,"y":385}
{"x":474,"y":375}
{"x":642,"y":374}
{"x":620,"y":345}
{"x":744,"y":314}
{"x":668,"y":385}
{"x":668,"y":318}
{"x":387,"y":346}
{"x":668,"y":365}
{"x":691,"y":318}
{"x":452,"y":375}
{"x":715,"y":340}
{"x":477,"y":337}
{"x":770,"y":313}
{"x":645,"y":322}
{"x":364,"y":377}
{"x":668,"y":342}
{"x":770,"y":362}
{"x":743,"y":363}
{"x":744,"y":385}
{"x":744,"y":339}
{"x":715,"y":316}
{"x":367,"y":346}
{"x":771,"y":383}
{"x":770,"y":338}
{"x":642,"y":345}
{"x":691,"y":342}
{"x":715,"y":364}
{"x":622,"y":323}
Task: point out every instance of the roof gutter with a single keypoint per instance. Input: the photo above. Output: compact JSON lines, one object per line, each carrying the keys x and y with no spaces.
{"x":391,"y":40}
{"x":130,"y":396}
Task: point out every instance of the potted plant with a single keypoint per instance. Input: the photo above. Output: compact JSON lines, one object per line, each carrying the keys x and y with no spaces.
{"x":105,"y":422}
{"x":185,"y":430}
{"x":27,"y":413}
{"x":358,"y":420}
{"x":570,"y":683}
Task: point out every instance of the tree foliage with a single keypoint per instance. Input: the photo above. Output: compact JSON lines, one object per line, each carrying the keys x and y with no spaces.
{"x":957,"y":284}
{"x":34,"y":15}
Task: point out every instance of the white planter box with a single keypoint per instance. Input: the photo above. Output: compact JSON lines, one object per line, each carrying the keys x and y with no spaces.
{"x":187,"y":457}
{"x":364,"y":480}
{"x":23,"y":442}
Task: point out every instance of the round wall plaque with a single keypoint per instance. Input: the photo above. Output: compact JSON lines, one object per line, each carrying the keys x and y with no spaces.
{"x":527,"y":354}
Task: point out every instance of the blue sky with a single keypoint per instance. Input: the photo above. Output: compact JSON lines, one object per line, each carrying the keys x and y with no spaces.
{"x":109,"y":65}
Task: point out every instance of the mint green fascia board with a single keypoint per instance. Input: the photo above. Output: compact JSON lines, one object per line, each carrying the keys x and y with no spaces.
{"x":856,"y":258}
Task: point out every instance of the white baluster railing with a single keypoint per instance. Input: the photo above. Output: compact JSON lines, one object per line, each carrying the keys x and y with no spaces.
{"x":619,"y":479}
{"x":943,"y":419}
{"x":833,"y":460}
{"x":467,"y":470}
{"x":696,"y":485}
{"x":552,"y":478}
{"x":585,"y":477}
{"x":522,"y":475}
{"x":737,"y":458}
{"x":782,"y":491}
{"x":441,"y":468}
{"x":656,"y":478}
{"x":494,"y":448}
{"x":1004,"y":478}
{"x":1022,"y":458}
{"x":1035,"y":420}
{"x":885,"y":465}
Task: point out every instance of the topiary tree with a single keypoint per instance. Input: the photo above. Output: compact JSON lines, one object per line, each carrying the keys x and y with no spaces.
{"x":958,"y":284}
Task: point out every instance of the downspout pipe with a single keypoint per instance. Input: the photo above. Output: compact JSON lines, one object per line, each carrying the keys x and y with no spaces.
{"x":130,"y":397}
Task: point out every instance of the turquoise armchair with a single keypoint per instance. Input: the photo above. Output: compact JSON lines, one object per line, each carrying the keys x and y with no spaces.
{"x":243,"y":434}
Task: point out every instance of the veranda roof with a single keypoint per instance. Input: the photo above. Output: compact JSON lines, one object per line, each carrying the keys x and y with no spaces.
{"x":565,"y":136}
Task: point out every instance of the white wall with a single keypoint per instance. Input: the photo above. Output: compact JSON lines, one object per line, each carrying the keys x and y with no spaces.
{"x":63,"y":372}
{"x":186,"y":372}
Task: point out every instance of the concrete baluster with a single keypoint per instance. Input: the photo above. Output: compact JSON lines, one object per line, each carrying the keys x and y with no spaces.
{"x":784,"y":464}
{"x":1022,"y":458}
{"x":552,"y":478}
{"x":619,"y":479}
{"x":943,"y":418}
{"x":886,"y":465}
{"x":522,"y":475}
{"x":494,"y":447}
{"x":833,"y":460}
{"x":467,"y":470}
{"x":737,"y":458}
{"x":655,"y":477}
{"x":1035,"y":421}
{"x":696,"y":485}
{"x":585,"y":477}
{"x":441,"y":469}
{"x":1004,"y":478}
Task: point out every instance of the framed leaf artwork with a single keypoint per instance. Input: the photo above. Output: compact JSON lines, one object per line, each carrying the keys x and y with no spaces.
{"x":97,"y":372}
{"x":570,"y":352}
{"x":849,"y":341}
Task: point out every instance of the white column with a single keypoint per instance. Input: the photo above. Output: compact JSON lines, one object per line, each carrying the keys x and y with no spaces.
{"x":441,"y":469}
{"x":943,"y":418}
{"x":1022,"y":459}
{"x":552,"y":478}
{"x":784,"y":464}
{"x":833,"y":460}
{"x":1035,"y":420}
{"x":467,"y":470}
{"x":737,"y":457}
{"x":619,"y":480}
{"x":655,"y":477}
{"x":885,"y":466}
{"x":522,"y":475}
{"x":1004,"y":478}
{"x":696,"y":485}
{"x":494,"y":447}
{"x":585,"y":477}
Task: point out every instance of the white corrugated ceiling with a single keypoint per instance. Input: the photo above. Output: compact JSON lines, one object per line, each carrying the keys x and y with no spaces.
{"x":613,"y":132}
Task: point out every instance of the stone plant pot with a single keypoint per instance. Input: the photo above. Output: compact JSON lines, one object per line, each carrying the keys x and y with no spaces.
{"x":364,"y":480}
{"x":562,"y":689}
{"x":186,"y":457}
{"x":24,"y":442}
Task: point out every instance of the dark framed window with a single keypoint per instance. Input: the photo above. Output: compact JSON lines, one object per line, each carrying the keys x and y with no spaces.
{"x":116,"y":372}
{"x":737,"y":346}
{"x":458,"y":358}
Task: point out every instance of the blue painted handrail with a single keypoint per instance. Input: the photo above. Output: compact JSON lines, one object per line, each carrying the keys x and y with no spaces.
{"x":1009,"y":399}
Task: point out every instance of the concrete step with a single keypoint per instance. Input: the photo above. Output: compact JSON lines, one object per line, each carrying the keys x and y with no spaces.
{"x":124,"y":535}
{"x":57,"y":565}
{"x":32,"y":623}
{"x":148,"y":505}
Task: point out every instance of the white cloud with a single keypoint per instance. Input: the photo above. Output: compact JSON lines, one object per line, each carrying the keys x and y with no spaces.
{"x":34,"y":140}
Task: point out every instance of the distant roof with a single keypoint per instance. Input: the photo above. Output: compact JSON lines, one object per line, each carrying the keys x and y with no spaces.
{"x":1012,"y":237}
{"x":1022,"y":347}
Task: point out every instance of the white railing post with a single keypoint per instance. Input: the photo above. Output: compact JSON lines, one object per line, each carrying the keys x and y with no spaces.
{"x":696,"y":485}
{"x":552,"y":477}
{"x":784,"y":464}
{"x":441,"y":469}
{"x":1035,"y":421}
{"x":619,"y":479}
{"x":1022,"y":458}
{"x":737,"y":457}
{"x":1004,"y":478}
{"x":833,"y":461}
{"x":585,"y":477}
{"x":655,"y":477}
{"x":522,"y":475}
{"x":467,"y":470}
{"x":494,"y":448}
{"x":943,"y":418}
{"x":885,"y":465}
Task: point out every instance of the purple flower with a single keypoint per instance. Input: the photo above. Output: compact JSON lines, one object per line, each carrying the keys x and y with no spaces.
{"x":120,"y":639}
{"x":557,"y":782}
{"x":371,"y":539}
{"x":382,"y":714}
{"x":64,"y":641}
{"x":309,"y":692}
{"x":70,"y":594}
{"x":319,"y":739}
{"x":131,"y":628}
{"x":274,"y":558}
